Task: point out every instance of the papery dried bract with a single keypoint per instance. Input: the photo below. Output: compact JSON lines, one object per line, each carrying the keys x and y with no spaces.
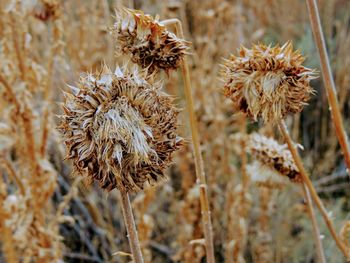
{"x":267,"y":82}
{"x":147,"y":40}
{"x":119,"y":129}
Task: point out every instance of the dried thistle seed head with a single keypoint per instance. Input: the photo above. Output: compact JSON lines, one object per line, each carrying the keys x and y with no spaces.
{"x":267,"y":82}
{"x":47,"y":9}
{"x":272,"y":156}
{"x":147,"y":40}
{"x":119,"y":129}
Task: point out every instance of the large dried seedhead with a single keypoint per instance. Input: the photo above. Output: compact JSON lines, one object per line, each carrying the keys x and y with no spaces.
{"x":147,"y":40}
{"x":119,"y":129}
{"x":267,"y":82}
{"x":273,"y":163}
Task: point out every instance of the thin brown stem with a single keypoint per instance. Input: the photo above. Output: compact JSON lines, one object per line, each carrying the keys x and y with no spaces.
{"x":18,"y":45}
{"x":310,"y":187}
{"x":200,"y":174}
{"x":131,"y":228}
{"x":328,"y":80}
{"x":319,"y":247}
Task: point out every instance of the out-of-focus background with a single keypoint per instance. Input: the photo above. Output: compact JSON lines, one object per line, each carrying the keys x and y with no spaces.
{"x":46,"y":215}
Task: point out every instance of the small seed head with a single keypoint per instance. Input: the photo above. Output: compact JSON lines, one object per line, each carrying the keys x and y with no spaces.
{"x":273,"y":162}
{"x":150,"y":44}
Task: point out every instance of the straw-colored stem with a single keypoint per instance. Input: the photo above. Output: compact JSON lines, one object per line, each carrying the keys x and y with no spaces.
{"x":18,"y":46}
{"x":315,"y":229}
{"x":6,"y":237}
{"x":200,"y":174}
{"x":310,"y":187}
{"x":11,"y":172}
{"x":328,"y":80}
{"x":131,"y":228}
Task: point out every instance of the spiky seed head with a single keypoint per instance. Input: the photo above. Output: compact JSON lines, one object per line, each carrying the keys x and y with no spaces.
{"x":273,"y":163}
{"x":150,"y":44}
{"x":267,"y":82}
{"x":119,"y":129}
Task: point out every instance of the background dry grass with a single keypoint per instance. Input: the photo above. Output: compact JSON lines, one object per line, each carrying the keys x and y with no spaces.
{"x":47,"y":217}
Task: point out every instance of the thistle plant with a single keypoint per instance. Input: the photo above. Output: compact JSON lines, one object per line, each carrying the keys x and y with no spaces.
{"x":120,"y":131}
{"x":268,"y":83}
{"x":153,"y":47}
{"x":150,"y":44}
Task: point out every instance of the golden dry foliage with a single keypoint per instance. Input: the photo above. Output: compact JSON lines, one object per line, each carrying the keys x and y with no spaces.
{"x":151,"y":46}
{"x":239,"y":202}
{"x":262,"y":246}
{"x":28,"y":178}
{"x":190,"y":240}
{"x":45,"y":44}
{"x":267,"y":82}
{"x":119,"y":129}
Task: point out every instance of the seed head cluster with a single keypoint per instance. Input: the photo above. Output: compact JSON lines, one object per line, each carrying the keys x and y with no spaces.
{"x":267,"y":82}
{"x":119,"y":129}
{"x":271,"y":155}
{"x":147,"y":40}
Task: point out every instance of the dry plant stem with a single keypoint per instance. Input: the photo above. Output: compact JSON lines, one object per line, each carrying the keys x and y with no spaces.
{"x":310,"y":187}
{"x":328,"y":80}
{"x":6,"y":237}
{"x":11,"y":171}
{"x":200,"y":174}
{"x":319,"y":247}
{"x":131,"y":228}
{"x":18,"y":47}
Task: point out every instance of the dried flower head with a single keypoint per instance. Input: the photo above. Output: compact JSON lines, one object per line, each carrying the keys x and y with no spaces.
{"x":150,"y":44}
{"x":119,"y":129}
{"x":273,"y":164}
{"x":47,"y":9}
{"x":267,"y":82}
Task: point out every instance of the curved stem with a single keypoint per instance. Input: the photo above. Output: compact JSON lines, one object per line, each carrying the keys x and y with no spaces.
{"x":200,"y":174}
{"x":310,"y":187}
{"x":328,"y":80}
{"x":315,"y":228}
{"x":131,"y":228}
